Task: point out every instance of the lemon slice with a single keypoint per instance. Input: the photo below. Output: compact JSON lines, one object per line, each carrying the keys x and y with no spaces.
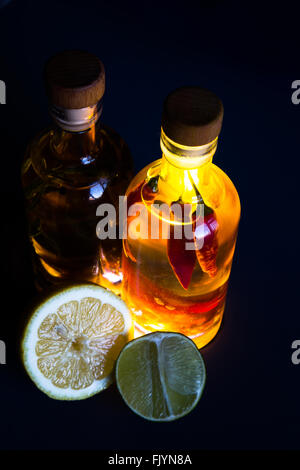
{"x":161,"y":376}
{"x":72,"y":340}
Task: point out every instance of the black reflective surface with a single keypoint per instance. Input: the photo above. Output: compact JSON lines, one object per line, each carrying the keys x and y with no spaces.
{"x":248,"y":56}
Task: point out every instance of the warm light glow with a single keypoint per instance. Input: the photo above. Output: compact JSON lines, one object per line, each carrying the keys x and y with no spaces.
{"x":153,"y":290}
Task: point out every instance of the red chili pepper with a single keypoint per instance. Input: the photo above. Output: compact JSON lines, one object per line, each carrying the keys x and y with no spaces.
{"x":181,"y":259}
{"x":134,"y":196}
{"x":206,"y":246}
{"x":205,"y":238}
{"x":150,"y":189}
{"x":144,"y":192}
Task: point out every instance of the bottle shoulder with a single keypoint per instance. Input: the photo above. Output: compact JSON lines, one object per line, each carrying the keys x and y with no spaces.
{"x":226,"y":186}
{"x":70,"y":159}
{"x":212,"y":182}
{"x":152,"y":168}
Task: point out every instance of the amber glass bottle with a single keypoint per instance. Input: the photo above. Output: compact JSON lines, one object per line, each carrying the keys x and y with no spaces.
{"x":177,"y":280}
{"x":69,"y":170}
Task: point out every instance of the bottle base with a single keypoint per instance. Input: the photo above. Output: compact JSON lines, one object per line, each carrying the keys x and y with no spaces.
{"x":44,"y":280}
{"x":201,"y":339}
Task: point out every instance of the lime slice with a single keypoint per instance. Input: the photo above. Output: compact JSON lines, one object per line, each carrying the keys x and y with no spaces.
{"x":72,"y":340}
{"x":161,"y":375}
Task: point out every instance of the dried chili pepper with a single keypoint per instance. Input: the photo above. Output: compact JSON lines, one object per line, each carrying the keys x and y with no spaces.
{"x":150,"y":189}
{"x":205,"y":238}
{"x":144,"y":192}
{"x":181,"y":259}
{"x":134,"y":196}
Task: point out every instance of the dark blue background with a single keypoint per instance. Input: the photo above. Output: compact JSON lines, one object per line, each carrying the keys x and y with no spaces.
{"x":248,"y":56}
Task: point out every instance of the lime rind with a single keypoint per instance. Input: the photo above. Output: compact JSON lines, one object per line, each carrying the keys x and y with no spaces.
{"x":30,"y":338}
{"x":132,"y":400}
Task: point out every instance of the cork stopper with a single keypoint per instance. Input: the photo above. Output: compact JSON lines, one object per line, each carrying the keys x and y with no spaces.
{"x":192,"y":116}
{"x":74,"y":79}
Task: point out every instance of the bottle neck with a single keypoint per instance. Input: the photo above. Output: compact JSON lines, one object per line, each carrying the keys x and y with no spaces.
{"x":74,"y":138}
{"x":76,"y":120}
{"x":75,"y":147}
{"x":182,"y":167}
{"x":186,"y":157}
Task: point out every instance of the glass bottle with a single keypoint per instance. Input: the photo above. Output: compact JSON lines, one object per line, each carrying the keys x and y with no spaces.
{"x":69,"y":170}
{"x":179,"y":282}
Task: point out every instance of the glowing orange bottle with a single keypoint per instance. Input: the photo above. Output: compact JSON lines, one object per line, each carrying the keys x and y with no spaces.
{"x":183,"y":216}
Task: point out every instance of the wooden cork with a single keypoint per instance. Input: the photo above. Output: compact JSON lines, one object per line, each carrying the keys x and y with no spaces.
{"x":74,"y":79}
{"x":192,"y":116}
